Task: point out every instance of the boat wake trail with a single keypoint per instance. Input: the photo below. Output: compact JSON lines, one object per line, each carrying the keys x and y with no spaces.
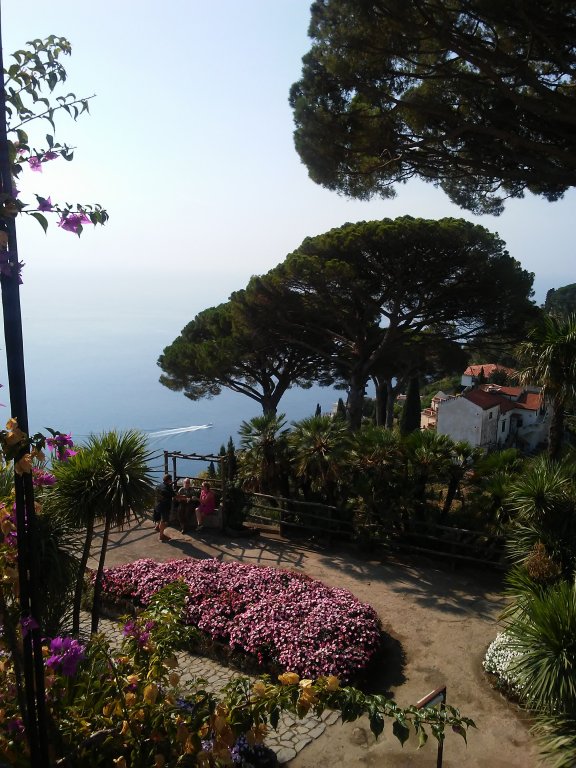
{"x":177,"y":431}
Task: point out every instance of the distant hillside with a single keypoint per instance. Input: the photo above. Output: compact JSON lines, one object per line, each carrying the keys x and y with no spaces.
{"x":561,"y":301}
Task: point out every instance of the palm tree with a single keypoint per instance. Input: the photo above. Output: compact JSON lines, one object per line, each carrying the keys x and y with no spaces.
{"x":428,"y":457}
{"x":462,"y":458}
{"x":108,"y":480}
{"x":319,"y":453}
{"x":548,"y":358}
{"x":263,"y":460}
{"x":490,"y":480}
{"x":377,"y":469}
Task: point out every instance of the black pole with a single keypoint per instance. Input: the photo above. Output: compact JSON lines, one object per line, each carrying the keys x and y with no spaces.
{"x":33,"y":663}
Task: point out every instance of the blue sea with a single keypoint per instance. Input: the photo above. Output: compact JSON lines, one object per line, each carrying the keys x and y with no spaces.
{"x":106,"y":378}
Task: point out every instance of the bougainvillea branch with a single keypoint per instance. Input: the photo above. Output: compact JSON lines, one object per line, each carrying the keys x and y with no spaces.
{"x":35,"y":71}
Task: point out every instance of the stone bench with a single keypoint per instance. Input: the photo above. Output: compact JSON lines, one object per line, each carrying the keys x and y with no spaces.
{"x":215,"y":521}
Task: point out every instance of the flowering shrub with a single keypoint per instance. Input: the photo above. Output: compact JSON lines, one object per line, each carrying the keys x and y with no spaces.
{"x":129,"y":709}
{"x":276,"y":615}
{"x":499,"y":661}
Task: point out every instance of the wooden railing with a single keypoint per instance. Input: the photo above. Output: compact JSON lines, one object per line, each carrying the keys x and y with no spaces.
{"x":292,"y":517}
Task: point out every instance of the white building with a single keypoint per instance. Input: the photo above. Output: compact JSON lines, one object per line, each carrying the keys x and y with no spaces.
{"x":492,"y":416}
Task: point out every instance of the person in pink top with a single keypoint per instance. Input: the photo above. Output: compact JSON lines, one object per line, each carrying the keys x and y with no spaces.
{"x":207,"y":504}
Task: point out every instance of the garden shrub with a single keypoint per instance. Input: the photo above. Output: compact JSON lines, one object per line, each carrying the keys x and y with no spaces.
{"x":499,"y":662}
{"x":277,"y":616}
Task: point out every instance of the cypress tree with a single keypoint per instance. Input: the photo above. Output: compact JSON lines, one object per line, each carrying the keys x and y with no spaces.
{"x":410,"y":418}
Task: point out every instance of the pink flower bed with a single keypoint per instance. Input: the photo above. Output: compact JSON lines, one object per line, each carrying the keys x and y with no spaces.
{"x":301,"y":624}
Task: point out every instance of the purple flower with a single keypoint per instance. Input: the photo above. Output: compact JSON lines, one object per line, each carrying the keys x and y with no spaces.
{"x":45,"y":204}
{"x":62,"y":446}
{"x":41,"y":477}
{"x":35,"y":164}
{"x":67,"y":653}
{"x":73,"y":222}
{"x":8,"y":267}
{"x":50,"y":155}
{"x":28,"y":624}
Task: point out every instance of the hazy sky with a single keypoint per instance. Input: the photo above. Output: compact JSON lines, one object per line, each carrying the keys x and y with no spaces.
{"x":189,"y":147}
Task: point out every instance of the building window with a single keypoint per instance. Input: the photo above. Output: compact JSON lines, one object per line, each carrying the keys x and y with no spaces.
{"x":503,"y":426}
{"x":490,"y":415}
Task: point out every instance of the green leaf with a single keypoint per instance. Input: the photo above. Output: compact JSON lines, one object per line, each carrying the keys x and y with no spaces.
{"x":50,"y":140}
{"x":376,"y":723}
{"x":422,"y":737}
{"x":274,"y":717}
{"x":401,"y":731}
{"x":40,"y":219}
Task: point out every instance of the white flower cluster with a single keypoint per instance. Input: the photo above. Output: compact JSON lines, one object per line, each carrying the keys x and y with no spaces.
{"x":499,"y":661}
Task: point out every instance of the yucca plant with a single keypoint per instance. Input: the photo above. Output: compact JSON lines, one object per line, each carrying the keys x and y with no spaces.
{"x":556,"y":735}
{"x":542,"y":502}
{"x":543,"y":633}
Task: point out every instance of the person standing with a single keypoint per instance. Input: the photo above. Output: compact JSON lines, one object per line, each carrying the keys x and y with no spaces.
{"x":164,"y":497}
{"x":207,"y":504}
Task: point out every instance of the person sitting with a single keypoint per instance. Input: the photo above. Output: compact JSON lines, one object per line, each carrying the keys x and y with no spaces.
{"x":185,"y":498}
{"x":207,"y":504}
{"x":163,"y":508}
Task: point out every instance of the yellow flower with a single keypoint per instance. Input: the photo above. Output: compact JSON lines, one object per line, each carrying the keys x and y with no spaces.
{"x":130,"y":699}
{"x":24,"y":465}
{"x":125,"y":728}
{"x":38,"y":454}
{"x":332,"y":683}
{"x":257,"y":733}
{"x":107,"y":709}
{"x":182,"y":733}
{"x":132,"y":679}
{"x":171,"y":662}
{"x":307,"y":697}
{"x":220,"y":724}
{"x":11,"y":424}
{"x":289,"y":678}
{"x":151,"y":694}
{"x":15,"y":436}
{"x":120,"y":762}
{"x":173,"y":678}
{"x":259,"y":689}
{"x":306,"y":683}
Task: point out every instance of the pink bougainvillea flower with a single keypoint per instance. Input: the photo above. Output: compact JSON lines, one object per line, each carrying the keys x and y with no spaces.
{"x":45,"y":204}
{"x":73,"y":222}
{"x":62,"y":445}
{"x":35,"y":164}
{"x":42,"y":477}
{"x":8,"y":267}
